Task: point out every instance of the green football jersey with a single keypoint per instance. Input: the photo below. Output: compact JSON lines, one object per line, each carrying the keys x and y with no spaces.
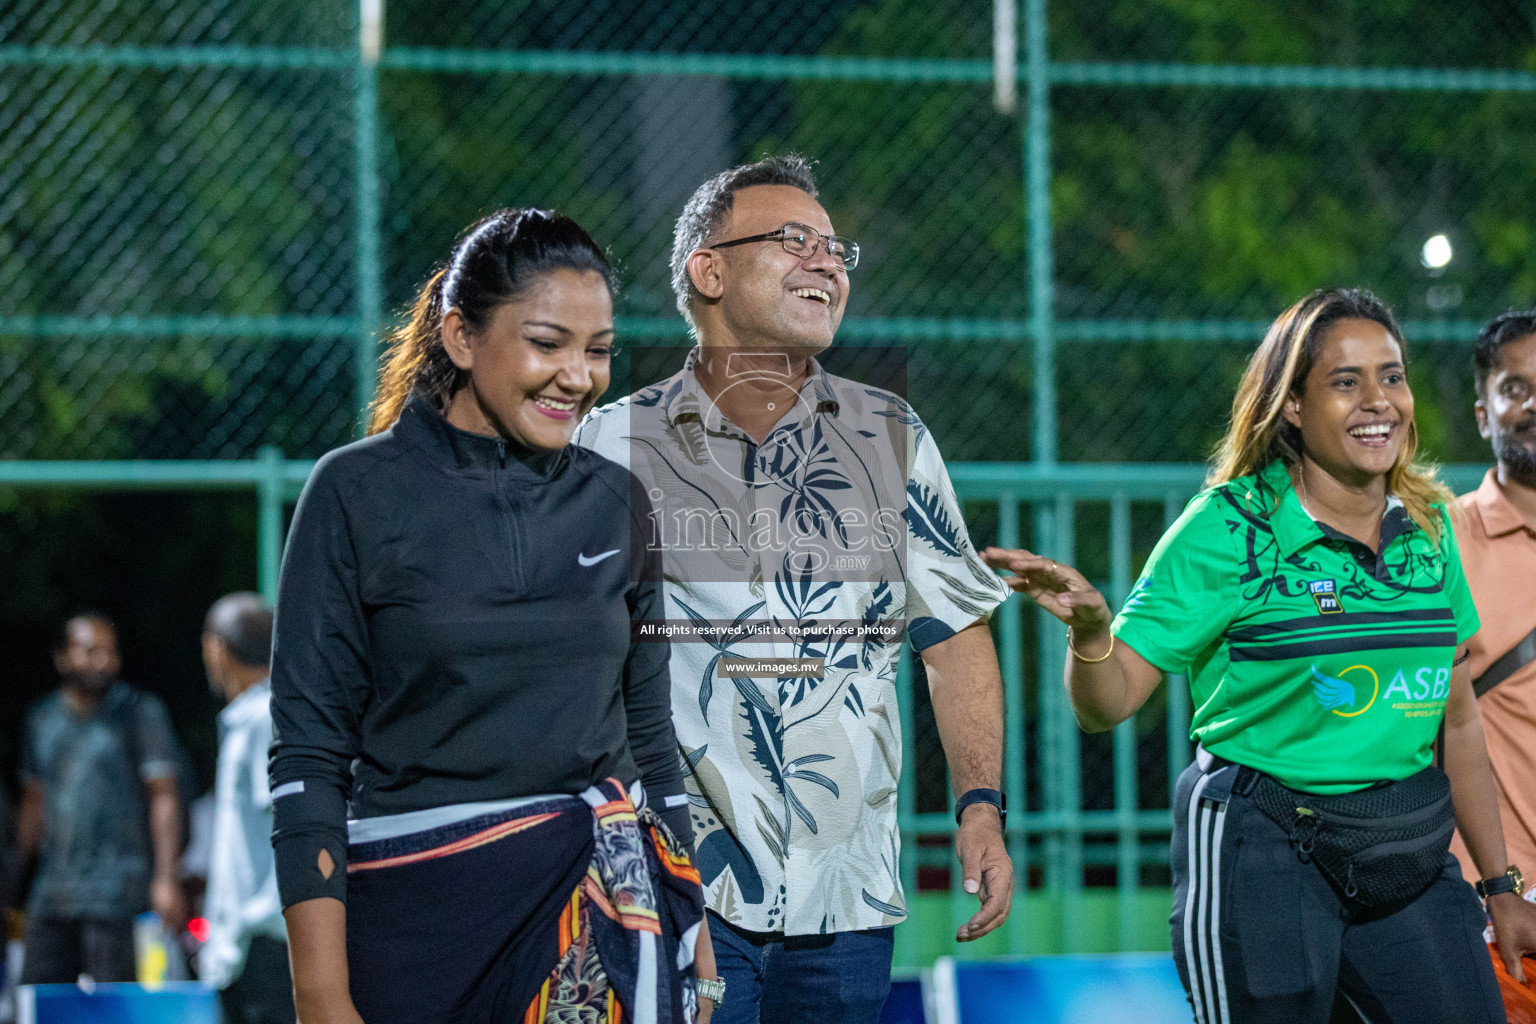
{"x":1310,"y":657}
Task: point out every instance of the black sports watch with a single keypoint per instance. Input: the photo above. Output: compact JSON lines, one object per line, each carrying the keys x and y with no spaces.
{"x":1510,"y":881}
{"x":983,"y":796}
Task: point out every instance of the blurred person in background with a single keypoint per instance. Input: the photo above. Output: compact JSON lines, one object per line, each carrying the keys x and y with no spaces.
{"x":454,"y":656}
{"x":246,"y":952}
{"x":796,"y":475}
{"x":99,"y":810}
{"x":1314,"y":592}
{"x":1497,"y":536}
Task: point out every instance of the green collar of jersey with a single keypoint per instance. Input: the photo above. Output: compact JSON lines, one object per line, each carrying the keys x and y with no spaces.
{"x":1293,"y":527}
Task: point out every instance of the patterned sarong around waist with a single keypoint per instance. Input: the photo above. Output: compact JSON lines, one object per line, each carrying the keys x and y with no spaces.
{"x":570,"y":909}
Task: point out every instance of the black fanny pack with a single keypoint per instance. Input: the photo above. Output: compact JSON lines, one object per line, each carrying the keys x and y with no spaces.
{"x":1379,"y":847}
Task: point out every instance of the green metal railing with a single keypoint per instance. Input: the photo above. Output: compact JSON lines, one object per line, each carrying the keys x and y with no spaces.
{"x":275,"y":481}
{"x":1053,"y":493}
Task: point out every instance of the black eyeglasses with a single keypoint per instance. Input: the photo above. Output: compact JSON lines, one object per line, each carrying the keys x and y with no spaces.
{"x":803,"y":241}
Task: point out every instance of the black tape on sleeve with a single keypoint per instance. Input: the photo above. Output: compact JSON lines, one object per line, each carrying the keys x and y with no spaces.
{"x":309,"y":842}
{"x":677,"y":819}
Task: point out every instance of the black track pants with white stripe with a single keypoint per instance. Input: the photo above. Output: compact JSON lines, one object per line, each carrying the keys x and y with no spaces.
{"x":1261,"y":938}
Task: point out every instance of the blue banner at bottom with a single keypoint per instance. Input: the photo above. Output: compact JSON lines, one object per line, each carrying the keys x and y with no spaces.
{"x":1126,"y":988}
{"x":117,"y":1003}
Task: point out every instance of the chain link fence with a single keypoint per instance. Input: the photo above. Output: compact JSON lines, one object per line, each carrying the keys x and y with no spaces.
{"x":208,"y":207}
{"x":182,"y":271}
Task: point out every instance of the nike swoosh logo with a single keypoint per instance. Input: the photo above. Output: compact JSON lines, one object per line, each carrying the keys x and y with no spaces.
{"x":584,"y":561}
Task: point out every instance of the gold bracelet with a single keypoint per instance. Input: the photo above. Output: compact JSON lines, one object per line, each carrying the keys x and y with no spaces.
{"x":1090,"y":661}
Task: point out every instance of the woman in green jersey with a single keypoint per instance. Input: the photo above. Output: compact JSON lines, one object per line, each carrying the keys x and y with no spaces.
{"x":1313,"y":593}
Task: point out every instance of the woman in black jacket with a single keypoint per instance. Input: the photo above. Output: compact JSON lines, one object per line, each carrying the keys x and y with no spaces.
{"x":453,"y":670}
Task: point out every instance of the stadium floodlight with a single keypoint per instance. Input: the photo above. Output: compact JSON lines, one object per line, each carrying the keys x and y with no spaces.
{"x":1436,"y":252}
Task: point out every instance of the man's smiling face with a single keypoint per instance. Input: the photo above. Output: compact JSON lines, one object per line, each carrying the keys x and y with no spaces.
{"x":1506,"y":415}
{"x":773,"y":298}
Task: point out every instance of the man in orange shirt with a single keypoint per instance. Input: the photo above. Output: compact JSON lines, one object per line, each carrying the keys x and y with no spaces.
{"x":1497,"y":535}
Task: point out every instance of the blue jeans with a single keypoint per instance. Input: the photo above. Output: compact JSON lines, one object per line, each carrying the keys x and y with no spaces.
{"x":802,"y":979}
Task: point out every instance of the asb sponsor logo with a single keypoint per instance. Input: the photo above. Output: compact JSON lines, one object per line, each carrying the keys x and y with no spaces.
{"x":1326,"y":596}
{"x":1421,"y":695}
{"x":1417,"y":692}
{"x":1335,"y":692}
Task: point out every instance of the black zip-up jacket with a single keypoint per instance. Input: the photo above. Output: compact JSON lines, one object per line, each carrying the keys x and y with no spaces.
{"x":454,"y":625}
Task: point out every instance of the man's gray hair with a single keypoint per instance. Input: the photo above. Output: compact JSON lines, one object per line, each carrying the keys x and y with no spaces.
{"x":710,"y":205}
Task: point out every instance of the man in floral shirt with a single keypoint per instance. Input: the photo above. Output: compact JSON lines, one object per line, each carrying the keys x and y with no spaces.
{"x":806,"y":522}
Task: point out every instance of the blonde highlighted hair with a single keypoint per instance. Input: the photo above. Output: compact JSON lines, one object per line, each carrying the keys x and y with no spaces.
{"x":1278,"y":369}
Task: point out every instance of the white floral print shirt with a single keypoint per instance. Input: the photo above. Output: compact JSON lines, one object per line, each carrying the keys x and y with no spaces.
{"x":844,"y":517}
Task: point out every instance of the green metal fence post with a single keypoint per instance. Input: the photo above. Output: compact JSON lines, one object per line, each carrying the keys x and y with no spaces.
{"x":1037,"y":185}
{"x":1037,"y":182}
{"x":1127,"y":794}
{"x":365,"y":87}
{"x":1070,"y":750}
{"x":1051,"y":706}
{"x":269,"y":521}
{"x":1010,"y":628}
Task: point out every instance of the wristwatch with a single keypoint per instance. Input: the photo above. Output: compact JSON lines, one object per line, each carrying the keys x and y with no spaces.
{"x":712,"y":989}
{"x":983,"y":796}
{"x":1510,"y":881}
